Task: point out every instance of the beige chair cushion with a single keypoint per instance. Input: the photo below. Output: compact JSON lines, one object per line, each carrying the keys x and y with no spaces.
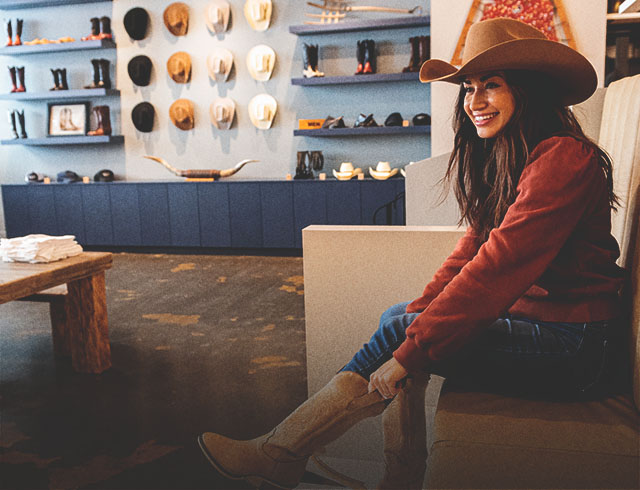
{"x":635,"y":307}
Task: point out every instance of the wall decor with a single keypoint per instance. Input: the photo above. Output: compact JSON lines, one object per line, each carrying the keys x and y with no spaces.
{"x":258,"y":14}
{"x":217,"y":16}
{"x":181,"y":114}
{"x":334,"y":11}
{"x":260,"y":60}
{"x":176,"y":18}
{"x":219,"y":64}
{"x":136,"y":23}
{"x":68,"y":119}
{"x":262,"y":110}
{"x":222,"y":111}
{"x":200,"y":173}
{"x":179,"y":67}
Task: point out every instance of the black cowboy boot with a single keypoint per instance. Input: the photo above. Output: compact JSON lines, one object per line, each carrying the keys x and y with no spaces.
{"x":56,"y":79}
{"x":23,"y":130}
{"x":105,"y":79}
{"x":12,"y":122}
{"x":63,"y":79}
{"x":9,"y":34}
{"x":96,"y":75}
{"x":301,"y":167}
{"x":18,"y":40}
{"x":95,"y":30}
{"x":307,"y":69}
{"x":21,"y":85}
{"x":360,"y":56}
{"x":369,"y":57}
{"x":105,"y":32}
{"x":12,"y":73}
{"x":425,"y":48}
{"x":414,"y":62}
{"x":315,"y":56}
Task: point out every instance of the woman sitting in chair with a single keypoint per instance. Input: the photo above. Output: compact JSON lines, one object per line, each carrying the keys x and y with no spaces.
{"x":528,"y":301}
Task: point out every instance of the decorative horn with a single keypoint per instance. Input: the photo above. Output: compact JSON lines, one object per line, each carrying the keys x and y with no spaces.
{"x":200,"y":174}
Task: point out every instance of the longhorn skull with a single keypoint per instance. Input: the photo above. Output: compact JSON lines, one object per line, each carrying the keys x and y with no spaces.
{"x":201,"y":174}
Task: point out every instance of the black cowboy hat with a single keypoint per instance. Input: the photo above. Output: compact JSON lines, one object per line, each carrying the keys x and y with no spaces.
{"x":136,"y":22}
{"x":68,"y":177}
{"x":139,"y":69}
{"x":394,"y":119}
{"x":104,"y":175}
{"x":421,"y":119}
{"x":142,"y":116}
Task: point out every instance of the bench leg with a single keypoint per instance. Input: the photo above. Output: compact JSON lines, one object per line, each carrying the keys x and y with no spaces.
{"x":87,"y":322}
{"x":59,"y":327}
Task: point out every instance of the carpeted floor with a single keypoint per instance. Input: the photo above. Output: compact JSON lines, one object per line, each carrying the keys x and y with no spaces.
{"x":198,"y":343}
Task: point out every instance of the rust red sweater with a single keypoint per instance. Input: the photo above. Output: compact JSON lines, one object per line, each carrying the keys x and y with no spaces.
{"x":552,"y":259}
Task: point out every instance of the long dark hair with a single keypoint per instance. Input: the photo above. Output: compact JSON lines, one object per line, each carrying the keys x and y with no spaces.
{"x":487,"y":171}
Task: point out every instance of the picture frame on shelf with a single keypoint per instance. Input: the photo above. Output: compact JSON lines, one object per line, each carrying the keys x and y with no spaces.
{"x":68,"y":119}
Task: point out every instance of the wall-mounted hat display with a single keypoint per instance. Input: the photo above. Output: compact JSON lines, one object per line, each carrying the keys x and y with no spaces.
{"x":383,"y":171}
{"x":222,"y":111}
{"x":258,"y":14}
{"x":181,"y":114}
{"x":262,"y":110}
{"x":139,"y":69}
{"x":176,"y":18}
{"x":217,"y":16}
{"x":143,"y":116}
{"x":219,"y":63}
{"x":346,"y":172}
{"x":179,"y":67}
{"x":136,"y":22}
{"x":260,"y":60}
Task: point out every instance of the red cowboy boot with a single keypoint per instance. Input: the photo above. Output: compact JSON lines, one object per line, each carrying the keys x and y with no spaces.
{"x":21,"y":86}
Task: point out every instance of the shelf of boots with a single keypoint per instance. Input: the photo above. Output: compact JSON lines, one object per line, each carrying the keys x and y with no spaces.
{"x":361,"y":25}
{"x":66,"y":140}
{"x":57,"y":47}
{"x":375,"y":131}
{"x":27,"y":4}
{"x":61,"y":94}
{"x":342,"y":80}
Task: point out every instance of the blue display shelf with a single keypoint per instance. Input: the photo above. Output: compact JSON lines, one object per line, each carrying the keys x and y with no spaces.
{"x":362,"y":25}
{"x":342,"y":80}
{"x":27,"y":4}
{"x":57,"y":47}
{"x":381,"y":130}
{"x":66,"y":140}
{"x":61,"y":94}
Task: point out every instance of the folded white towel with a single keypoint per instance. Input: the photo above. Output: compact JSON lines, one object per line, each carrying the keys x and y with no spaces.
{"x":38,"y":248}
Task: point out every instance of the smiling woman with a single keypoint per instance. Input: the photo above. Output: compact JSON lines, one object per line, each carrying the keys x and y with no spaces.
{"x":489,"y":103}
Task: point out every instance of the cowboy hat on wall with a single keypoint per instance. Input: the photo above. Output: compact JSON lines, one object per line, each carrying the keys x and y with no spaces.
{"x":222,"y":111}
{"x":179,"y":67}
{"x":258,"y":14}
{"x":217,"y":16}
{"x":181,"y":114}
{"x":176,"y":18}
{"x":260,"y":60}
{"x":262,"y":110}
{"x":219,"y":63}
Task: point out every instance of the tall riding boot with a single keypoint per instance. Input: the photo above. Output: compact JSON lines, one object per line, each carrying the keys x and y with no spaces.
{"x":63,"y":79}
{"x":315,"y":55}
{"x":12,"y":121}
{"x":405,"y":437}
{"x":279,"y":457}
{"x":307,"y":70}
{"x":12,"y":73}
{"x":96,"y":75}
{"x":23,"y":130}
{"x":9,"y":34}
{"x":56,"y":79}
{"x":95,"y":30}
{"x":369,"y":57}
{"x":425,"y":48}
{"x":360,"y":56}
{"x":414,"y":62}
{"x":105,"y":32}
{"x":21,"y":85}
{"x":18,"y":40}
{"x":105,"y":78}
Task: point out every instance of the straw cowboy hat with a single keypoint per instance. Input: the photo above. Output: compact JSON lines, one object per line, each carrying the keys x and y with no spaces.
{"x":260,"y":60}
{"x":383,"y":171}
{"x":346,"y":171}
{"x":217,"y":16}
{"x":179,"y":67}
{"x":176,"y":18}
{"x":219,"y":64}
{"x":221,"y":111}
{"x":507,"y":44}
{"x":181,"y":114}
{"x":258,"y":14}
{"x":262,"y":110}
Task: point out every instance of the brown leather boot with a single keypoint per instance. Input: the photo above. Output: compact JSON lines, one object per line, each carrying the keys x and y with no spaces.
{"x":9,"y":34}
{"x":103,"y":118}
{"x":279,"y":458}
{"x":21,"y":85}
{"x":405,"y":438}
{"x":425,"y":49}
{"x":18,"y":40}
{"x":14,"y":82}
{"x":414,"y":62}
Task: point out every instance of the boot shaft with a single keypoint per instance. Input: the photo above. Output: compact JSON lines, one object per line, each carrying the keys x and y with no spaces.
{"x":12,"y":74}
{"x":56,"y":79}
{"x":95,"y":26}
{"x":12,"y":121}
{"x":18,"y":41}
{"x":105,"y":32}
{"x":425,"y":48}
{"x":63,"y":79}
{"x":105,"y":78}
{"x":21,"y":85}
{"x":23,"y":129}
{"x":9,"y":34}
{"x":369,"y":56}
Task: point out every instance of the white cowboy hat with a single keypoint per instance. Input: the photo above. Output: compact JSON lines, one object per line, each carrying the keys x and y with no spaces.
{"x":221,"y":111}
{"x":262,"y":110}
{"x":383,"y":171}
{"x":346,"y":171}
{"x":219,"y":64}
{"x":258,"y":14}
{"x":217,"y":16}
{"x":260,"y":60}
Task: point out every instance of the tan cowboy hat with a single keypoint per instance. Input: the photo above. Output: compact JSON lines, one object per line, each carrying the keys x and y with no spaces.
{"x":179,"y":67}
{"x":219,"y":64}
{"x":217,"y":16}
{"x":507,"y":44}
{"x":221,"y":111}
{"x":176,"y":18}
{"x":181,"y":114}
{"x":346,"y":171}
{"x":383,"y":171}
{"x":258,"y":14}
{"x":262,"y":110}
{"x":260,"y":60}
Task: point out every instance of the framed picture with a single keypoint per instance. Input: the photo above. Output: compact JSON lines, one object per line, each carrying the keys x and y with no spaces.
{"x":68,"y":119}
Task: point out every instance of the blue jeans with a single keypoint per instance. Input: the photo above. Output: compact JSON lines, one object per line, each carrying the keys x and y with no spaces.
{"x":513,"y":355}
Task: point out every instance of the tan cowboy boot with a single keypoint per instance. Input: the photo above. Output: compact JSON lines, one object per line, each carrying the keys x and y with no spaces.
{"x":279,"y":458}
{"x":405,"y":437}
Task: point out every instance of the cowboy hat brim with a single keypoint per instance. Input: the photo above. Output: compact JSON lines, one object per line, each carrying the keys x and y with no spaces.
{"x":346,"y":175}
{"x":382,"y":175}
{"x":575,"y":76}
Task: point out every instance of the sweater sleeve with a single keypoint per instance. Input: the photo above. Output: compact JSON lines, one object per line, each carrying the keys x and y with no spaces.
{"x":552,"y":195}
{"x":466,"y":248}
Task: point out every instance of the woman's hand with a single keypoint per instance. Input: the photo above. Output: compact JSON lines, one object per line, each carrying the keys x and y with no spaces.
{"x":387,"y":378}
